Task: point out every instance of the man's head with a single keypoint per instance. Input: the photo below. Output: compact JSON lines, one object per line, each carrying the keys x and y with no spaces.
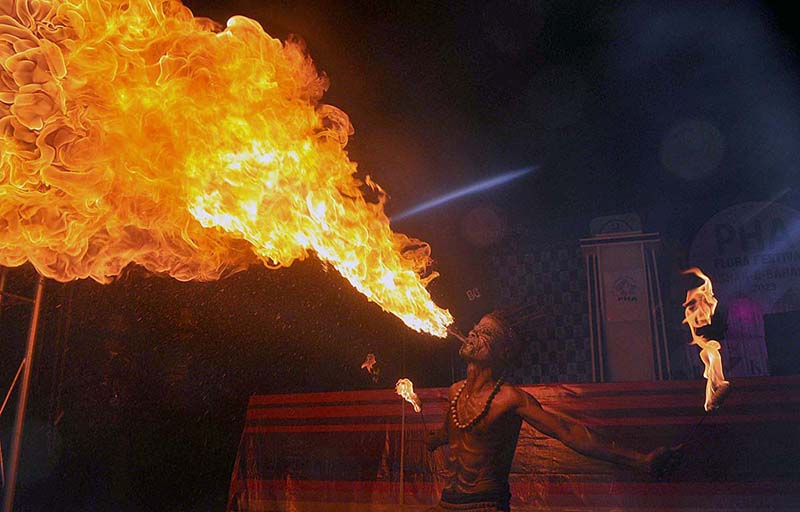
{"x":492,"y":342}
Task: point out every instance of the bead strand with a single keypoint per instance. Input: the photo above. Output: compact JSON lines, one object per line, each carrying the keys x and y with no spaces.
{"x":476,"y":419}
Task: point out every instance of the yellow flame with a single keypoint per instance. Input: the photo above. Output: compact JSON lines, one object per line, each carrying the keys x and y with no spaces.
{"x":133,"y":132}
{"x":700,"y":306}
{"x":405,"y":388}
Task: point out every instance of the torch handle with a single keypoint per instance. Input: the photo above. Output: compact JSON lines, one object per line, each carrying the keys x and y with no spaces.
{"x":692,"y":432}
{"x":717,"y":398}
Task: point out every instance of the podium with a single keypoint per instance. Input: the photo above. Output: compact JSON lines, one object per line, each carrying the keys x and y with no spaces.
{"x":626,"y":318}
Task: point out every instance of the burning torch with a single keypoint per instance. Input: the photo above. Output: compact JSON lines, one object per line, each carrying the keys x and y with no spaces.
{"x":700,"y":306}
{"x":405,"y":388}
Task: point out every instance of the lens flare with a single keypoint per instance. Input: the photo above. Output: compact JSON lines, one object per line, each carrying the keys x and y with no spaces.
{"x":133,"y":132}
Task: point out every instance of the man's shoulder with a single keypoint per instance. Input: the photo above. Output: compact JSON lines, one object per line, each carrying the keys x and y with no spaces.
{"x":513,"y":395}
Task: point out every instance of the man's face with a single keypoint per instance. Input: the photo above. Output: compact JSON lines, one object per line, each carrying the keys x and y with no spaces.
{"x":477,"y":346}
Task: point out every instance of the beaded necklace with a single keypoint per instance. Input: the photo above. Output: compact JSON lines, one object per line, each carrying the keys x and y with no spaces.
{"x":476,"y":419}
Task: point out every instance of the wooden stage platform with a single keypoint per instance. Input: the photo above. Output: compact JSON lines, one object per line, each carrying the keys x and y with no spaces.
{"x":340,"y":452}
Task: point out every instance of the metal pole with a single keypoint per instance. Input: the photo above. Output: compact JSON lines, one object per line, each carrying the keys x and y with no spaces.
{"x":402,"y":449}
{"x":3,"y":275}
{"x":3,"y":408}
{"x":16,"y":442}
{"x":11,"y":388}
{"x":402,"y":428}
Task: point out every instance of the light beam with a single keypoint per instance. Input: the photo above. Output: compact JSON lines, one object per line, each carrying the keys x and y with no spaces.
{"x":465,"y":191}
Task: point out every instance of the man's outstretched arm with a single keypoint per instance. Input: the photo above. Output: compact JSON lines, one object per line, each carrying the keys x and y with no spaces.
{"x":584,"y":441}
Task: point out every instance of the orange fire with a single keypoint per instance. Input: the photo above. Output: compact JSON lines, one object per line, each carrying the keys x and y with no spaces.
{"x":405,"y":388}
{"x":700,"y":306}
{"x":133,"y":132}
{"x":369,"y":362}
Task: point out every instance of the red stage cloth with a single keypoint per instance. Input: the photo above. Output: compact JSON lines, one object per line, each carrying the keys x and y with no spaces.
{"x":341,"y":451}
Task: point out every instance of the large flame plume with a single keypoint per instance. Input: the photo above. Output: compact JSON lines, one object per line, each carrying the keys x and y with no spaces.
{"x":700,"y":306}
{"x":133,"y":132}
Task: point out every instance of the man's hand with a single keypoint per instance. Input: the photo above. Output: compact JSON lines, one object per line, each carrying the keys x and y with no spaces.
{"x":435,"y":439}
{"x":663,"y":461}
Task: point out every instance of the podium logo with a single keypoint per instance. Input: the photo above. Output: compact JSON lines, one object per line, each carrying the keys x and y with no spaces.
{"x":625,"y":288}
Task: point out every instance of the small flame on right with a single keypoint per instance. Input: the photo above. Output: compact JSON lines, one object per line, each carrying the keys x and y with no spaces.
{"x":700,"y":306}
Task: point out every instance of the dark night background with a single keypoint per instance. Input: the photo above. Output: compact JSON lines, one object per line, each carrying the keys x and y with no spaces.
{"x":670,"y":110}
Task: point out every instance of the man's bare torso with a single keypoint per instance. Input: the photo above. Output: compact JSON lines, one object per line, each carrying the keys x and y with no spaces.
{"x":480,"y":457}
